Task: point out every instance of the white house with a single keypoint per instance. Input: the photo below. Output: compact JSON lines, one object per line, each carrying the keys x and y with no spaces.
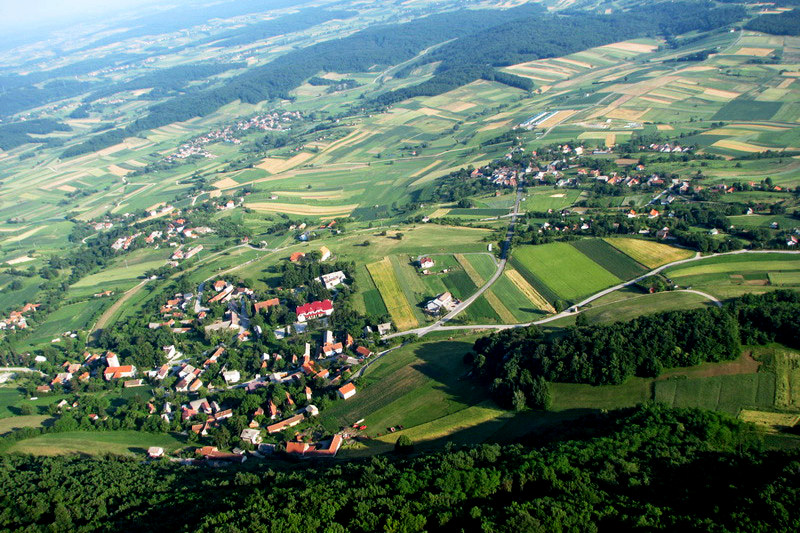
{"x":333,"y":279}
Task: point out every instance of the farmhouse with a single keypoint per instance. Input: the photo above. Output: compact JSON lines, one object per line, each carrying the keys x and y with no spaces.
{"x":363,"y":352}
{"x":333,"y":279}
{"x":314,"y":310}
{"x":297,"y":256}
{"x":117,"y":372}
{"x":305,"y":449}
{"x":426,"y":262}
{"x":325,"y":253}
{"x":266,"y":304}
{"x":444,"y":301}
{"x":283,"y":424}
{"x":347,"y":391}
{"x":252,"y":436}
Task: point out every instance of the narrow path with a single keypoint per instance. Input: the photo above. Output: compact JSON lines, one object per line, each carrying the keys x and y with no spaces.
{"x":439,"y":326}
{"x":20,"y":369}
{"x":109,"y":313}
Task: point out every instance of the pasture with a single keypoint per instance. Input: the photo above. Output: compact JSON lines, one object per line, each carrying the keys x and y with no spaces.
{"x":95,"y":443}
{"x":726,"y":393}
{"x":410,"y":386}
{"x":565,"y":270}
{"x":649,"y":253}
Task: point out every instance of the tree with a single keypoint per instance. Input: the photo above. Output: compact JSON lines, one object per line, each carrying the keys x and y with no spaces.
{"x":403,"y":444}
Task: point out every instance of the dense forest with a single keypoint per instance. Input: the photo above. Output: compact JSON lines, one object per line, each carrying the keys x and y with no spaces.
{"x":516,"y":362}
{"x":787,"y":23}
{"x":650,"y":468}
{"x":16,"y":134}
{"x":484,"y":39}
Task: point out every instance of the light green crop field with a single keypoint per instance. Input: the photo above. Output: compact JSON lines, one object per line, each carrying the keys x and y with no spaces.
{"x":565,"y":270}
{"x":95,"y":443}
{"x":78,"y":316}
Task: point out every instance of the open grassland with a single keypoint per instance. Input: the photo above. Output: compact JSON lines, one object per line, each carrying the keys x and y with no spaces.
{"x":565,"y":270}
{"x":648,"y":253}
{"x":784,"y":278}
{"x":610,"y":258}
{"x":640,"y":304}
{"x":739,"y":263}
{"x":410,"y":386}
{"x":95,"y":443}
{"x":73,"y":317}
{"x":13,"y":423}
{"x":394,"y":300}
{"x":726,"y":393}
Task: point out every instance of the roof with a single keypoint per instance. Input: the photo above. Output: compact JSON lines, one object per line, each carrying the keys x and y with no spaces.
{"x":347,"y":388}
{"x":266,"y":304}
{"x":366,"y":352}
{"x":283,"y":424}
{"x":296,"y":256}
{"x":314,"y":307}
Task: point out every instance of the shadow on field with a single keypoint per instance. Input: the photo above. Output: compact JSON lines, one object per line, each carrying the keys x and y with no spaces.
{"x":443,"y":362}
{"x":532,"y":428}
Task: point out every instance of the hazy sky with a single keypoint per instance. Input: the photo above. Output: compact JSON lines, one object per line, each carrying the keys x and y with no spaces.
{"x":28,"y":14}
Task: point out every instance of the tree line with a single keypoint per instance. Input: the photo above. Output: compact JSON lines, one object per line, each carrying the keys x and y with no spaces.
{"x":515,"y":363}
{"x":649,"y":467}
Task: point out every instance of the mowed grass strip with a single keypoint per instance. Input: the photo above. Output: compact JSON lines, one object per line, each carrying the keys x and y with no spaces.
{"x":394,"y":300}
{"x":784,"y":278}
{"x":482,"y":312}
{"x":506,"y":316}
{"x":568,"y":272}
{"x":95,"y":443}
{"x":527,"y":290}
{"x":728,"y":393}
{"x":610,"y":258}
{"x":473,"y":274}
{"x":459,"y":284}
{"x":737,"y":267}
{"x":648,"y":253}
{"x":483,"y":264}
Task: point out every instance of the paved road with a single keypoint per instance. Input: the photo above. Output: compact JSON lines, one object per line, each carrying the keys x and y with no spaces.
{"x":439,"y":326}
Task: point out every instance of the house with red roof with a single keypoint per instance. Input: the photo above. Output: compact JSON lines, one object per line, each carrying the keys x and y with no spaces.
{"x":117,"y":372}
{"x":347,"y":391}
{"x":313,"y":310}
{"x":266,"y":304}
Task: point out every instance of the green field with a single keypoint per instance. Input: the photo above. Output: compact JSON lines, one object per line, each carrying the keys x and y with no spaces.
{"x":719,"y":393}
{"x":565,"y":270}
{"x":608,"y":257}
{"x":410,"y":386}
{"x":784,"y":278}
{"x":95,"y":443}
{"x":747,"y":109}
{"x":394,"y":299}
{"x":649,"y":253}
{"x":72,"y":317}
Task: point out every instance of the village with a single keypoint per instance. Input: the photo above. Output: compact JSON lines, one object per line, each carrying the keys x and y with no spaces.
{"x":310,"y":367}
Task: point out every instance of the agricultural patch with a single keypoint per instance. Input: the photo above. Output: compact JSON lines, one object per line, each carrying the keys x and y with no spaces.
{"x":610,"y":258}
{"x":394,"y":300}
{"x":648,"y":253}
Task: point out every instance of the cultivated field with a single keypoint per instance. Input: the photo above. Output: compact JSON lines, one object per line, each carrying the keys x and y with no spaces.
{"x":648,"y":253}
{"x":563,"y":269}
{"x":394,"y":300}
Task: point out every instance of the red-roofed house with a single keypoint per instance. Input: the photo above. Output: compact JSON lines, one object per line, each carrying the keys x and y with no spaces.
{"x":117,"y":372}
{"x":363,"y":352}
{"x":297,"y":256}
{"x":347,"y":391}
{"x":314,"y":310}
{"x":266,"y":304}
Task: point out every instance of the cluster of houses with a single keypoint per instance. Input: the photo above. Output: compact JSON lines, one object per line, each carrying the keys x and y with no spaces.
{"x":274,"y":121}
{"x":93,"y":365}
{"x":16,"y":319}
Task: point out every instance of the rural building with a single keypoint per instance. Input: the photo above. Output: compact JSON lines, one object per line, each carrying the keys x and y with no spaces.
{"x":426,"y":262}
{"x":297,"y":256}
{"x":283,"y":424}
{"x":325,"y":253}
{"x":347,"y":391}
{"x":363,"y":352}
{"x":384,"y":328}
{"x":266,"y":304}
{"x":305,"y":449}
{"x":117,"y":372}
{"x":231,"y":376}
{"x":442,"y":302}
{"x":333,"y":279}
{"x":154,"y":452}
{"x":314,"y":310}
{"x":253,"y":436}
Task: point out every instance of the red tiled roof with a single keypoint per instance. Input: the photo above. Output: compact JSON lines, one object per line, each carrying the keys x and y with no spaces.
{"x":315,"y":307}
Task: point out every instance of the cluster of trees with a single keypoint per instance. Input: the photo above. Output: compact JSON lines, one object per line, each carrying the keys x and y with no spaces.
{"x":16,"y":134}
{"x":516,"y":362}
{"x":650,"y":468}
{"x":512,"y":360}
{"x":787,"y":23}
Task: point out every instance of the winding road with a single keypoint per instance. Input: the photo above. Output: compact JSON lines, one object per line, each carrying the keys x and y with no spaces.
{"x":577,"y":308}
